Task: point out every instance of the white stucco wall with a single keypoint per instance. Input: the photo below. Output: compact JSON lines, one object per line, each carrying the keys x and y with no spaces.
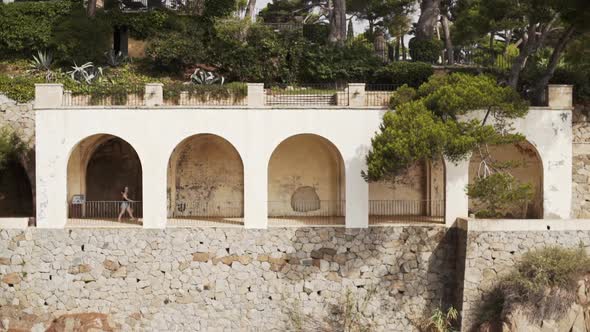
{"x":255,"y":133}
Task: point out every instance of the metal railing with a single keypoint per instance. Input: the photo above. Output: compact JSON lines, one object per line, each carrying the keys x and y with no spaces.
{"x":128,"y":96}
{"x":222,"y":209}
{"x":312,"y":208}
{"x":320,"y":94}
{"x":408,"y":210}
{"x":103,"y":210}
{"x":233,"y":94}
{"x":379,"y":94}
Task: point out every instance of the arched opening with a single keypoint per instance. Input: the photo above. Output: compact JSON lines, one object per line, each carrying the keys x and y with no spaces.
{"x":306,"y":183}
{"x":416,"y":196}
{"x":16,"y":196}
{"x":99,"y":169}
{"x":525,"y":166}
{"x":205,"y":182}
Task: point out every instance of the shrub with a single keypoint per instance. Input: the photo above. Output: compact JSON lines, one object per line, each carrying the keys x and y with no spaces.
{"x":316,"y":33}
{"x":26,"y":27}
{"x":498,"y":193}
{"x":411,"y":73}
{"x":425,"y":50}
{"x":236,"y":91}
{"x":328,"y":63}
{"x":402,"y":95}
{"x":19,"y":88}
{"x":78,"y":38}
{"x":544,"y":282}
{"x":441,"y":321}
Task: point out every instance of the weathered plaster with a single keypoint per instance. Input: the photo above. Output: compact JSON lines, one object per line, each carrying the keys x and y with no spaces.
{"x":255,"y":133}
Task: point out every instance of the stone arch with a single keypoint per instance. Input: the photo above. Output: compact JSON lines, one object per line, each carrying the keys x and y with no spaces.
{"x":529,"y":169}
{"x":418,"y":194}
{"x":306,"y":177}
{"x":16,"y":195}
{"x":99,"y":167}
{"x":205,"y":179}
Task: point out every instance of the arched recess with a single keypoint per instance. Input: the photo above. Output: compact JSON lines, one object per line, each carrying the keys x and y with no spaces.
{"x":99,"y":168}
{"x":306,"y":178}
{"x":417,"y":195}
{"x":16,"y":196}
{"x":529,"y":169}
{"x":206,"y":180}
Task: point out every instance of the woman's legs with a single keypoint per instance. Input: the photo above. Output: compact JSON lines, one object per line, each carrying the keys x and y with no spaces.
{"x":121,"y":213}
{"x":130,"y":211}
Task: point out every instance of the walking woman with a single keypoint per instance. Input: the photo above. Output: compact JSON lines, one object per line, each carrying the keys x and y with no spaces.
{"x":125,"y":205}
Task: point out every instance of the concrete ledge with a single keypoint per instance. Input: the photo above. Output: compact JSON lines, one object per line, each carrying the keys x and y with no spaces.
{"x":14,"y":223}
{"x":524,"y":225}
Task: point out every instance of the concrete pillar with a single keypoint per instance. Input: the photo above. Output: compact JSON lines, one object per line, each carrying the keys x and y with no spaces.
{"x":48,"y":95}
{"x":255,"y":175}
{"x":357,"y":195}
{"x":154,"y":94}
{"x":560,"y":96}
{"x":356,"y":94}
{"x":255,"y":94}
{"x":155,"y":209}
{"x":456,"y":200}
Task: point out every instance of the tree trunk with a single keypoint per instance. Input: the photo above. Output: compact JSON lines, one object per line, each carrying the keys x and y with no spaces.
{"x":249,"y":9}
{"x":429,"y":11}
{"x":91,"y":9}
{"x":539,"y":89}
{"x":396,"y":53}
{"x":404,"y":51}
{"x":444,"y":20}
{"x":338,"y":22}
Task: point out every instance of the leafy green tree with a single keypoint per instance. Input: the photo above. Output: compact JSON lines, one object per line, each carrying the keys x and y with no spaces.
{"x":376,"y":11}
{"x":441,"y":121}
{"x":531,"y":24}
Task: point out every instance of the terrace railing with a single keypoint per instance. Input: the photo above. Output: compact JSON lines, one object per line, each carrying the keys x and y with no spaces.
{"x":379,"y":94}
{"x":320,"y":94}
{"x":407,"y":210}
{"x":132,"y":96}
{"x":322,"y":208}
{"x":102,"y":210}
{"x":221,"y":209}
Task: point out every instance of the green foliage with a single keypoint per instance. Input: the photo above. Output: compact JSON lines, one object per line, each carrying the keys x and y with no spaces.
{"x":545,"y":281}
{"x":26,"y":27}
{"x":402,"y":95}
{"x":354,"y":62}
{"x":411,"y":73}
{"x":316,"y":33}
{"x":78,"y":38}
{"x":11,"y":146}
{"x":441,"y":321}
{"x":430,"y":126}
{"x":143,"y":25}
{"x":173,"y":51}
{"x":19,"y":88}
{"x":425,"y":50}
{"x":235,"y":91}
{"x":498,"y":193}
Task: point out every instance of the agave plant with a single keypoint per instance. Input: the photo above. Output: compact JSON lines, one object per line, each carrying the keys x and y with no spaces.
{"x":115,"y":59}
{"x":85,"y":73}
{"x":204,"y":77}
{"x":42,"y":63}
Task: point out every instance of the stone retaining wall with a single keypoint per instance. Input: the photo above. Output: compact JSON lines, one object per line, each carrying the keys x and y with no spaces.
{"x":215,"y":279}
{"x":491,"y":252}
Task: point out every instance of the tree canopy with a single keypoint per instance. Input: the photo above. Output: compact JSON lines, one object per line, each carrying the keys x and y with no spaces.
{"x":448,"y":116}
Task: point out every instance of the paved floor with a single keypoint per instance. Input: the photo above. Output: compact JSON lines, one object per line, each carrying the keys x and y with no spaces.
{"x":272,"y":222}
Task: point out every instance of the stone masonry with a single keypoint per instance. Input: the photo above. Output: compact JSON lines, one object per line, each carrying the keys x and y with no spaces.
{"x":225,"y":279}
{"x":491,"y":254}
{"x":581,"y":165}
